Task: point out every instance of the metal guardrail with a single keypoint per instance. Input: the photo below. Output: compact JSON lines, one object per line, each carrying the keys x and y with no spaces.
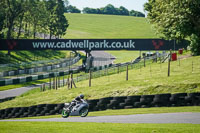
{"x":47,"y":66}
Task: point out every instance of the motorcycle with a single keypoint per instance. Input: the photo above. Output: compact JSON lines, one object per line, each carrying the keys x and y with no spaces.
{"x":80,"y":109}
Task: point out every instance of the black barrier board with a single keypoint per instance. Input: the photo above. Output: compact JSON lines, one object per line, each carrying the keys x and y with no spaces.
{"x":91,"y":44}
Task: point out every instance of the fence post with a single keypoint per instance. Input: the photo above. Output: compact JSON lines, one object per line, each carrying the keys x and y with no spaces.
{"x":63,"y":81}
{"x":150,"y":70}
{"x":118,"y":69}
{"x":71,"y":81}
{"x":41,"y":88}
{"x":192,"y":66}
{"x":90,"y":78}
{"x":68,"y":84}
{"x":50,"y":83}
{"x":59,"y":82}
{"x":170,"y":56}
{"x":54,"y":82}
{"x":44,"y":87}
{"x":127,"y":73}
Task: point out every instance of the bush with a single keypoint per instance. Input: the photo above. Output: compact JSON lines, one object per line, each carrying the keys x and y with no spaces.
{"x":195,"y":45}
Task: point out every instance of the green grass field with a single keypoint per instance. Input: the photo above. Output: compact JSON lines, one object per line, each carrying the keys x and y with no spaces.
{"x":93,"y":26}
{"x":123,"y":56}
{"x":69,"y":127}
{"x":149,"y":80}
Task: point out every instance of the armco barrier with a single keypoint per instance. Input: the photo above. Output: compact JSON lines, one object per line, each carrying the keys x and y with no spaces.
{"x":121,"y":102}
{"x":35,"y":77}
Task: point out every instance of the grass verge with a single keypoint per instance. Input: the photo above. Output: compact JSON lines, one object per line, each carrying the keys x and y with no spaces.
{"x":69,"y":127}
{"x":151,"y":79}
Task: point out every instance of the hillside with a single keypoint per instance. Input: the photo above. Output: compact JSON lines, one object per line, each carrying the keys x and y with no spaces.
{"x":149,"y":80}
{"x":107,"y":26}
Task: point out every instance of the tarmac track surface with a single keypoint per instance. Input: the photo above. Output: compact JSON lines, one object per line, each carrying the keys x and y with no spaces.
{"x":193,"y":118}
{"x":16,"y":92}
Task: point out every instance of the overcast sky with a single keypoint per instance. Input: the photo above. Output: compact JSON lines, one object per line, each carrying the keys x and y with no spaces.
{"x":129,"y":4}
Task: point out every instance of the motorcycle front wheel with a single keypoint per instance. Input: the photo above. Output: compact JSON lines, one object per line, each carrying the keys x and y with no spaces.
{"x":83,"y":112}
{"x":65,"y":113}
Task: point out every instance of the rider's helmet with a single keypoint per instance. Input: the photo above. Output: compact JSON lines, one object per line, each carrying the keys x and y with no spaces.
{"x":81,"y":96}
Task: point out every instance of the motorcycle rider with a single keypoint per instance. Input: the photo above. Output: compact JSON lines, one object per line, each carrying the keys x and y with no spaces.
{"x":78,"y":99}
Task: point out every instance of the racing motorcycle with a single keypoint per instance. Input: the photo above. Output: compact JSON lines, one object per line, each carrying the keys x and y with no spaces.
{"x":80,"y":109}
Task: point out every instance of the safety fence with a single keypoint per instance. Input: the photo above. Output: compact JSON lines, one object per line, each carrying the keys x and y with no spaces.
{"x":96,"y":72}
{"x":120,"y":102}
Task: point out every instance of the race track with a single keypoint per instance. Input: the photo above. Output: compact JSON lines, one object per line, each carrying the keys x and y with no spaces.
{"x":193,"y":118}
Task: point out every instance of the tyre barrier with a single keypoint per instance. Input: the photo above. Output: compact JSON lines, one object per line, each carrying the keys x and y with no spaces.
{"x":120,"y":102}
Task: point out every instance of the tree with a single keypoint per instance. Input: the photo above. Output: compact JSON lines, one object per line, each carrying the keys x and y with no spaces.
{"x":136,"y":13}
{"x":110,"y":9}
{"x":2,"y":19}
{"x":13,"y":10}
{"x":61,"y":21}
{"x":123,"y":11}
{"x":176,"y":19}
{"x":50,"y":6}
{"x":72,"y":9}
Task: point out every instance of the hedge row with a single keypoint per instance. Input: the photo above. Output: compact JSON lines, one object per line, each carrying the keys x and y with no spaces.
{"x":122,"y":102}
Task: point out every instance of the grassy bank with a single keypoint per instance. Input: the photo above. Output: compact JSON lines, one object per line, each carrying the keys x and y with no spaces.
{"x":69,"y":127}
{"x":124,"y":56}
{"x":107,"y":26}
{"x":151,"y":79}
{"x":29,"y":56}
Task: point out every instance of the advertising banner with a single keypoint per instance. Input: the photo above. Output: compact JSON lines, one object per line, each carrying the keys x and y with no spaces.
{"x":91,"y":44}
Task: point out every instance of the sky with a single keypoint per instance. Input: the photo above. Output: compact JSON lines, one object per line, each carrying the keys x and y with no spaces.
{"x":136,"y":5}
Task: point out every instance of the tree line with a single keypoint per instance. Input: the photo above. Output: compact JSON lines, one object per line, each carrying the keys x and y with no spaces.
{"x":177,"y":20}
{"x":25,"y":18}
{"x":109,"y":9}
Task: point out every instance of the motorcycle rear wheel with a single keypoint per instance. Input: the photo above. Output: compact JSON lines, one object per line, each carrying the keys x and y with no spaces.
{"x":83,"y":112}
{"x":65,"y":113}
